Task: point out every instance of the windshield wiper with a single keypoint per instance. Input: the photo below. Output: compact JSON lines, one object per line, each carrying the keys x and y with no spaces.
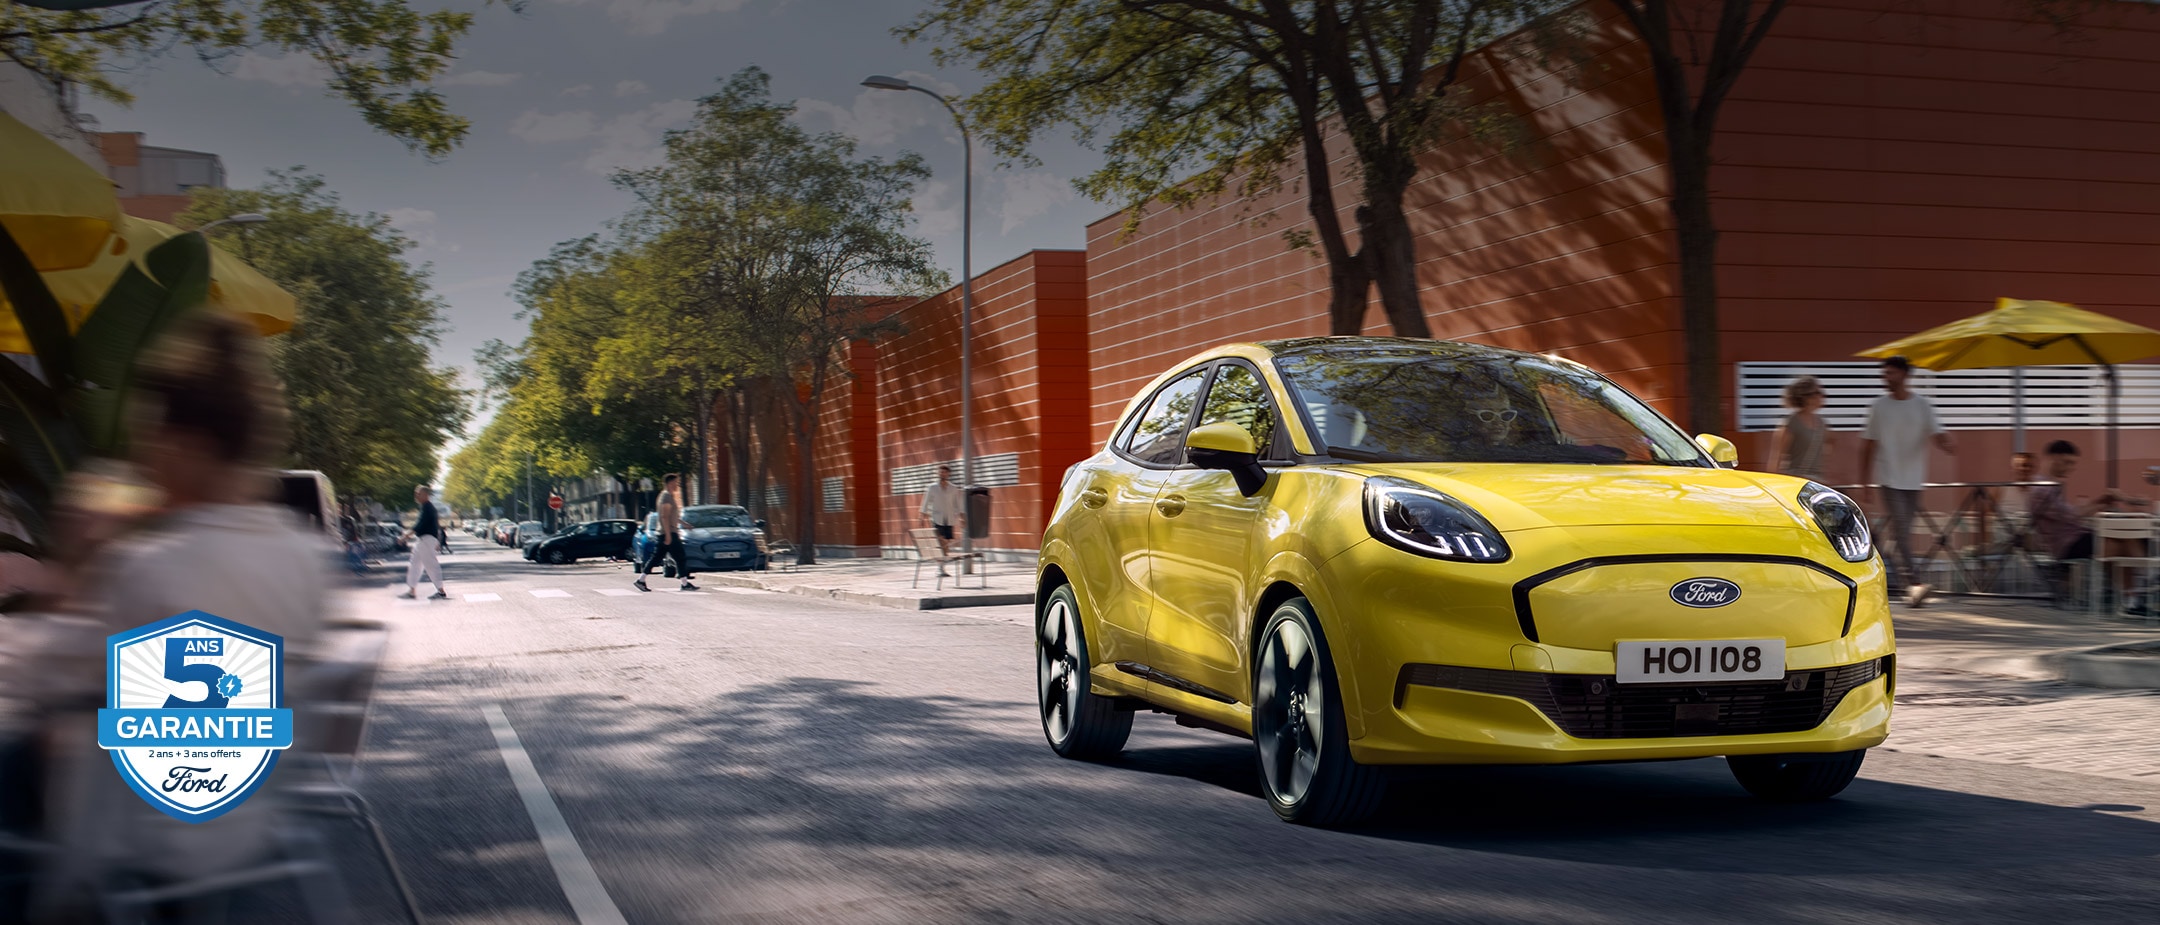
{"x":1353,"y":453}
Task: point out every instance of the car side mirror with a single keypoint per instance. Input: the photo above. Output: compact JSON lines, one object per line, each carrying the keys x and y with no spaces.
{"x":1720,"y":449}
{"x":1228,"y":447}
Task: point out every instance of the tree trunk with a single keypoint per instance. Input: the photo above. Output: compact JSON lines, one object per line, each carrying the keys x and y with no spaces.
{"x":1349,"y":274}
{"x":1697,"y":236}
{"x":1387,"y":238}
{"x":764,"y":450}
{"x":705,"y":400}
{"x":805,"y":416}
{"x":739,"y":438}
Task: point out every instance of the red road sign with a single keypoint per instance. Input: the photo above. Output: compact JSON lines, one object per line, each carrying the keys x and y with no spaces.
{"x":555,"y":502}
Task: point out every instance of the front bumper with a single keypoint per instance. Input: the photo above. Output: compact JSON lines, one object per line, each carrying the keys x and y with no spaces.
{"x":1399,"y":624}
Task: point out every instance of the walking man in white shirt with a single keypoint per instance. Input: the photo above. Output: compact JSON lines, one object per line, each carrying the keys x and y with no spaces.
{"x":943,"y":505}
{"x":428,"y":542}
{"x":670,"y":541}
{"x":1900,"y":425}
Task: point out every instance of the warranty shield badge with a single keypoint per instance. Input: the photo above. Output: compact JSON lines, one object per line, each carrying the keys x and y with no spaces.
{"x":195,"y":712}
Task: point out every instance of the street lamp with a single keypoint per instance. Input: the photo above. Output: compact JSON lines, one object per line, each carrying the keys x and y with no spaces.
{"x":967,"y":289}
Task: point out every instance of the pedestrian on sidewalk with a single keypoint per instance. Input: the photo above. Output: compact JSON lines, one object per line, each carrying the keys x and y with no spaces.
{"x":2063,"y":527}
{"x":428,"y":540}
{"x":1803,"y":440}
{"x":942,"y":506}
{"x":1900,"y":425}
{"x":670,"y":541}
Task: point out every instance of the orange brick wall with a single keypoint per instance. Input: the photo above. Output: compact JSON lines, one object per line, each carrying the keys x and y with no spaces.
{"x":1560,"y":246}
{"x":1031,"y":383}
{"x":1883,"y":170}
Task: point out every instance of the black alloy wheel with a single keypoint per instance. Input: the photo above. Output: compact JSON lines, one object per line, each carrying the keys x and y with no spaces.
{"x":558,"y":557}
{"x":1299,"y":735}
{"x":1079,"y":723}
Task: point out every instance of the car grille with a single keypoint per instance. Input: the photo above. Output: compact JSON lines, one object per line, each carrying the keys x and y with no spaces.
{"x":1594,"y":707}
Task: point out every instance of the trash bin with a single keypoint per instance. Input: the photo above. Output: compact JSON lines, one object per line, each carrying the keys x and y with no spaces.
{"x":978,"y":512}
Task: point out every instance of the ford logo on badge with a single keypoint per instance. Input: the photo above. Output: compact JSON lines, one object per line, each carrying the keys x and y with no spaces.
{"x":1705,"y":592}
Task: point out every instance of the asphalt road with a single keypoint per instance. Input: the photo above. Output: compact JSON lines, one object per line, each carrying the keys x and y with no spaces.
{"x":724,"y":756}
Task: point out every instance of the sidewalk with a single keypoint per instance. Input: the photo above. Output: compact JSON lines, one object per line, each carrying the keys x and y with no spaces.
{"x":2025,"y":639}
{"x":889,"y":583}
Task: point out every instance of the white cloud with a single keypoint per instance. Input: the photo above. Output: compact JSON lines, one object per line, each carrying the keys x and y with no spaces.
{"x":631,"y":88}
{"x":628,"y":140}
{"x":580,"y":90}
{"x":632,"y":140}
{"x":937,"y":209}
{"x":292,"y":71}
{"x":480,"y":79}
{"x":543,"y":128}
{"x":1027,"y":195}
{"x":652,"y":17}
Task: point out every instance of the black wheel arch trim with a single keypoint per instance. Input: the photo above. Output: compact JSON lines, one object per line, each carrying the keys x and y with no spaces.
{"x":1523,"y":588}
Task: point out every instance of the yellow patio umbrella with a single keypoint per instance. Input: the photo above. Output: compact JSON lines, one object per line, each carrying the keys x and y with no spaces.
{"x":235,"y":287}
{"x":59,"y":210}
{"x":2022,"y":332}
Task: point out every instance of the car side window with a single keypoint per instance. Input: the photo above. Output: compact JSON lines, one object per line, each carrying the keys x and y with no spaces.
{"x":1159,"y":435}
{"x":1239,"y":396}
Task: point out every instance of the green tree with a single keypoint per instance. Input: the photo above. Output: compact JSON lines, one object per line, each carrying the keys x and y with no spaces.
{"x":1198,"y":95}
{"x":765,"y":247}
{"x":380,"y":56}
{"x":367,"y":408}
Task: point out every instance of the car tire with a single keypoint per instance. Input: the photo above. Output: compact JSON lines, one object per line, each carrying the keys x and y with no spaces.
{"x":1079,"y":723}
{"x":1802,"y":778}
{"x":558,"y":557}
{"x":1308,"y":775}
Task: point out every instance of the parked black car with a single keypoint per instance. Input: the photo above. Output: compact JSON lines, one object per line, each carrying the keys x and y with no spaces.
{"x":600,"y":539}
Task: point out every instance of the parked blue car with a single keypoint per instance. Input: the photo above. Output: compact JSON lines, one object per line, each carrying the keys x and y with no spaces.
{"x":717,"y":537}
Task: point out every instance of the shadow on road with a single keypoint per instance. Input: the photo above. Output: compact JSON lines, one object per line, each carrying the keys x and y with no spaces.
{"x":814,"y":786}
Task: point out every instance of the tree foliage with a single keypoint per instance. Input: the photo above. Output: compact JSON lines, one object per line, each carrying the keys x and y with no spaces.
{"x":367,"y":408}
{"x":1192,"y":99}
{"x":753,"y":257}
{"x":379,"y":56}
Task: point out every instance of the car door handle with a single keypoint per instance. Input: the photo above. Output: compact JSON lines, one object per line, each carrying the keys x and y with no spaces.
{"x":1171,"y":506}
{"x":1094,"y":497}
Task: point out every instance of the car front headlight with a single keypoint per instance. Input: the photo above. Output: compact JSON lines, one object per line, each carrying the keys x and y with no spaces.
{"x":1414,"y":518}
{"x":1840,"y":519}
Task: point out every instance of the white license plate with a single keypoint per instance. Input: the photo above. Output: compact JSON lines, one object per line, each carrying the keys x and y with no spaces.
{"x":1700,"y":660}
{"x":727,"y":555}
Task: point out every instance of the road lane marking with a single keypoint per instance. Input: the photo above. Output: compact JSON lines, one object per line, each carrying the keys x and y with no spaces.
{"x":618,"y":592}
{"x":476,"y":598}
{"x":550,"y":592}
{"x":580,"y":883}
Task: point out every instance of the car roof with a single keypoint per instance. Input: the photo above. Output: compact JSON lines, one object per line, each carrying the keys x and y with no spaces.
{"x":717,"y":507}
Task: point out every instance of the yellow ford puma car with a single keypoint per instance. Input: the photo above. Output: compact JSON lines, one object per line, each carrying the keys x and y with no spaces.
{"x":1364,"y":552}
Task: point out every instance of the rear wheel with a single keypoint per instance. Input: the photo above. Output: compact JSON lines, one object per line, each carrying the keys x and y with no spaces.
{"x":1298,"y":729}
{"x":1078,"y":722}
{"x":558,"y":557}
{"x":1799,"y":778}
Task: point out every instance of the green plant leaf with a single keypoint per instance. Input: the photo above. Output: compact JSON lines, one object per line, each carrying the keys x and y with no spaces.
{"x":39,"y":314}
{"x":137,"y":308}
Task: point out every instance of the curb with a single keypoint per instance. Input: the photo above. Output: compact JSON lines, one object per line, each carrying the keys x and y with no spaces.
{"x":875,"y":598}
{"x":2135,"y":666}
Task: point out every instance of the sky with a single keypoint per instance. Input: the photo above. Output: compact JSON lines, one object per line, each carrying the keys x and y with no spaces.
{"x":567,"y":91}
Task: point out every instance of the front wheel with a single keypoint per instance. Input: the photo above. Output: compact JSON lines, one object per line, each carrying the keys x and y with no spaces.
{"x":1078,"y":722}
{"x":558,"y":557}
{"x":1299,"y":735}
{"x":1799,"y":778}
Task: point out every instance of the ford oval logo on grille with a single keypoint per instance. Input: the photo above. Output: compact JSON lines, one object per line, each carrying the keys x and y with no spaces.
{"x":1705,"y":592}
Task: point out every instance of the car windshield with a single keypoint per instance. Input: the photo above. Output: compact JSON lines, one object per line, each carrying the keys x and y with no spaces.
{"x":1413,"y":404}
{"x":699,"y":518}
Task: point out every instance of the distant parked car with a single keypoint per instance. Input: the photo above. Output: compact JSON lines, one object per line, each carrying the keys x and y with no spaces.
{"x":717,"y":538}
{"x":380,"y":539}
{"x":526,"y":532}
{"x":609,"y":539}
{"x":505,"y":531}
{"x":396,"y":532}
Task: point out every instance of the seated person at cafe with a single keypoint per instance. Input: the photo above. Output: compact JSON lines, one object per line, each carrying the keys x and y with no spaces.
{"x":2060,"y":526}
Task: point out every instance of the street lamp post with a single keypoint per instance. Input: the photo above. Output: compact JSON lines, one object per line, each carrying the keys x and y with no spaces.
{"x":967,"y":290}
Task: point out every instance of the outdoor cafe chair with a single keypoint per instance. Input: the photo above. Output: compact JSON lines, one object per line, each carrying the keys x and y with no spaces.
{"x":927,"y":550}
{"x":2118,"y":526}
{"x":333,"y":727}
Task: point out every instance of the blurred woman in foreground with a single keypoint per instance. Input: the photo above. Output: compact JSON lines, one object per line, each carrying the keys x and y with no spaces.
{"x":207,"y":417}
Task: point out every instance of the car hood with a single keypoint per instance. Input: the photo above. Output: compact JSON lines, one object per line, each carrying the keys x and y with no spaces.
{"x":1527,"y":497}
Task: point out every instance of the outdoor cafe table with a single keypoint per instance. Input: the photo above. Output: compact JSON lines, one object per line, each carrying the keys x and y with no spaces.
{"x":1976,"y":570}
